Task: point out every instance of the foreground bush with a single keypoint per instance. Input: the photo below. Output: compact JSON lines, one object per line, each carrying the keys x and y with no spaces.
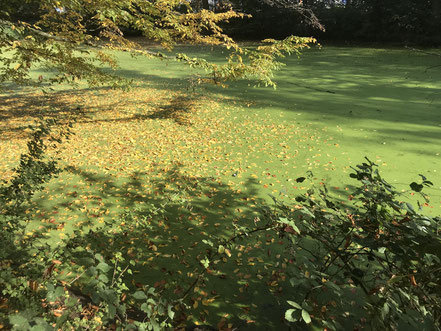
{"x":374,"y":264}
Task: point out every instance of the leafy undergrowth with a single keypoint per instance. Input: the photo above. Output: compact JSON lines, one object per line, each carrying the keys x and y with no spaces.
{"x":203,"y":166}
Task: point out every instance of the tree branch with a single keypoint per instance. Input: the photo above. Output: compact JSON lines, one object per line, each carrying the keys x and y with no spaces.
{"x":421,"y":51}
{"x":306,"y":13}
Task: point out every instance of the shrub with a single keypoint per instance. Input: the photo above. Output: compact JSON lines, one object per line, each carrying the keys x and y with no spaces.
{"x":374,"y":263}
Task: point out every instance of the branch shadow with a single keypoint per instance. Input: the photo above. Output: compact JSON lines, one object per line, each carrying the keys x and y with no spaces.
{"x":167,"y":231}
{"x":178,"y":110}
{"x":19,"y":111}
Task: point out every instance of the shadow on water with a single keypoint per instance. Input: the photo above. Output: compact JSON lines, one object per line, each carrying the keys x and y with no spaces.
{"x":167,"y":231}
{"x":338,"y":85}
{"x":178,"y":109}
{"x":376,"y":84}
{"x":18,"y":111}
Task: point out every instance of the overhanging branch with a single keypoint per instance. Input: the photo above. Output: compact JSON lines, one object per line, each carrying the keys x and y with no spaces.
{"x":306,"y":13}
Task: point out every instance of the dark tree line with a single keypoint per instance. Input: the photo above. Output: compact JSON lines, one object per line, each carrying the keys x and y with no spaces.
{"x":392,"y":21}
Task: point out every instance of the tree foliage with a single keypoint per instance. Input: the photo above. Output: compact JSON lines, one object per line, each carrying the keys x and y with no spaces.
{"x":386,"y":21}
{"x":394,"y":21}
{"x":56,"y":35}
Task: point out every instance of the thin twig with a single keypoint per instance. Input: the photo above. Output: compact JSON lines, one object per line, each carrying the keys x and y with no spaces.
{"x":76,"y":278}
{"x":421,"y":51}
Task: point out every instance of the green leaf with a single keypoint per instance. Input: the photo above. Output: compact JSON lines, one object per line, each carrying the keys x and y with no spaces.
{"x":305,"y":211}
{"x":171,"y":313}
{"x":145,"y":307}
{"x":294,"y":304}
{"x":205,"y":262}
{"x":41,"y":327}
{"x":112,"y":311}
{"x":306,"y":317}
{"x":103,"y":278}
{"x":140,"y":295}
{"x":290,"y":223}
{"x":104,"y":267}
{"x":99,"y":257}
{"x":306,"y":306}
{"x":331,"y":284}
{"x":384,"y":311}
{"x":207,"y":242}
{"x":294,"y":226}
{"x":59,"y":291}
{"x":288,"y":315}
{"x":410,"y":207}
{"x":61,"y":320}
{"x":19,"y":322}
{"x":71,"y":302}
